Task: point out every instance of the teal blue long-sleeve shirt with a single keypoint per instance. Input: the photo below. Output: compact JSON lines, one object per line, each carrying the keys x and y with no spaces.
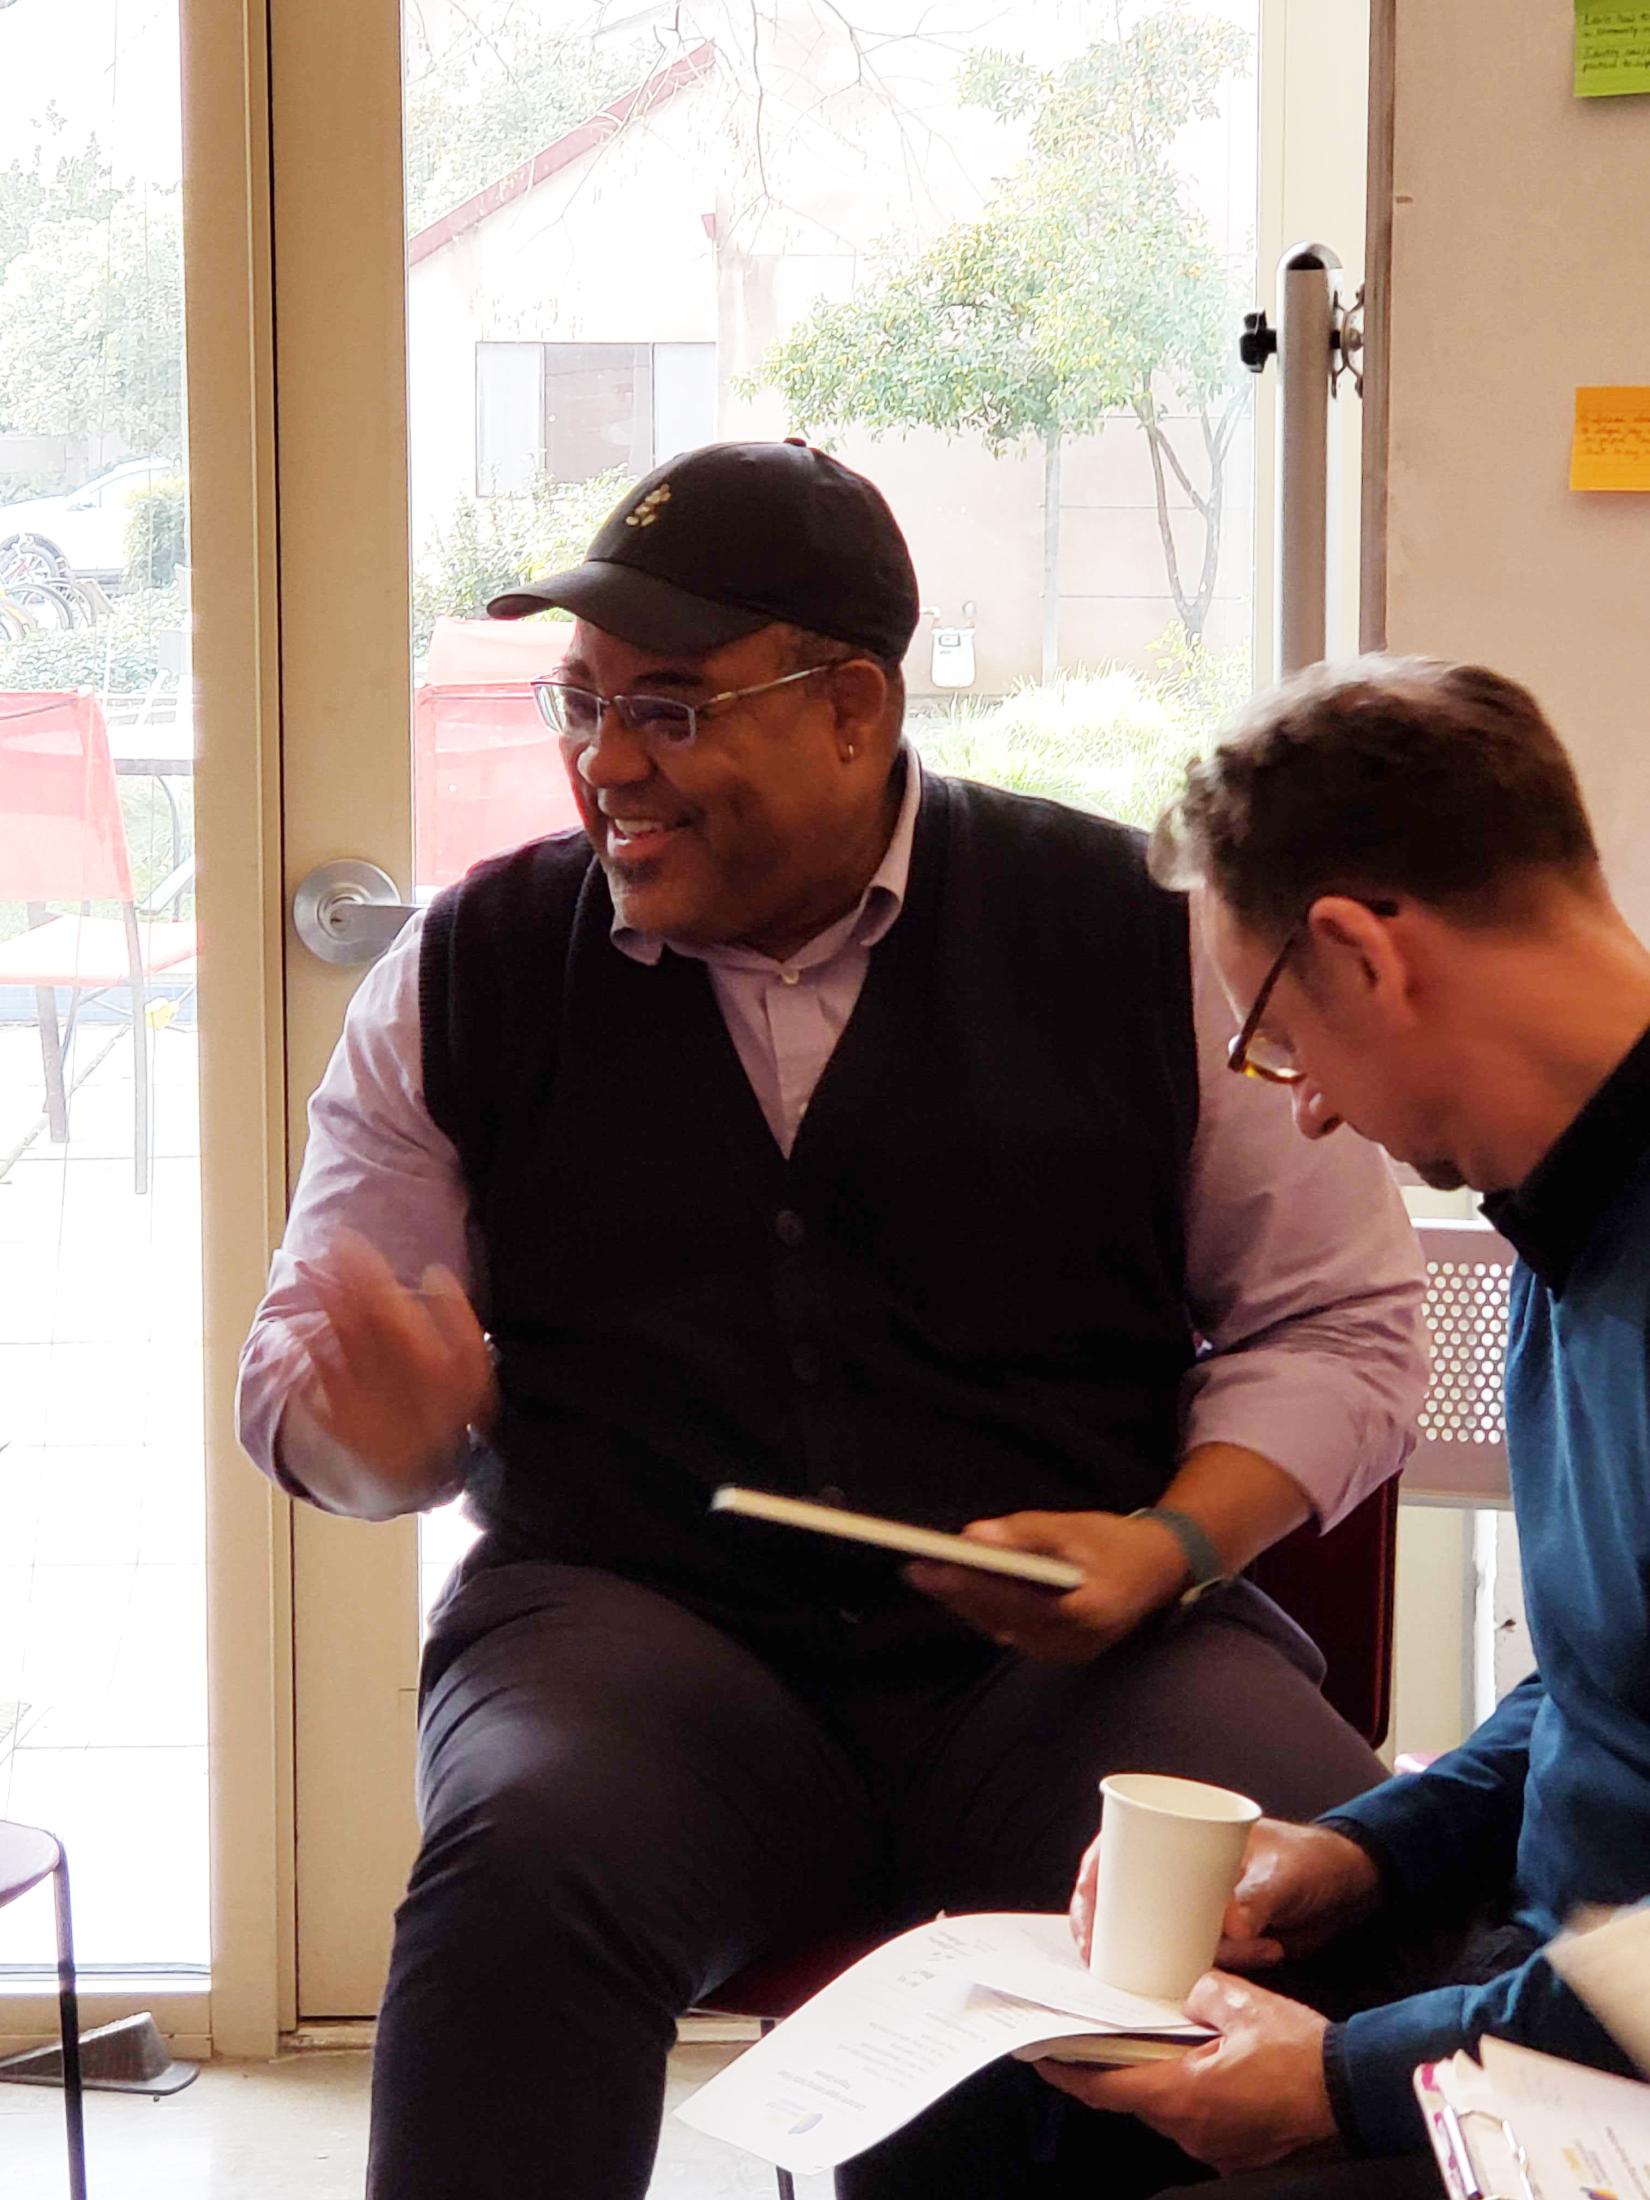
{"x":1549,"y":1801}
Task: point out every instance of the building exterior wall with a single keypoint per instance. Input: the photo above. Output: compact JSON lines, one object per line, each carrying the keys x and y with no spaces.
{"x":611,"y":250}
{"x":685,"y":227}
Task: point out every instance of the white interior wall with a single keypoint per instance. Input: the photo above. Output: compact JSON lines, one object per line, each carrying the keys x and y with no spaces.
{"x":1521,"y":269}
{"x":1432,"y":1695}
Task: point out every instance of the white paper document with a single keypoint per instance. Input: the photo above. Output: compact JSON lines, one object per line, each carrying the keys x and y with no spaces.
{"x":1039,"y":1962}
{"x":1516,"y":2123}
{"x":1585,"y":2133}
{"x":902,"y":2027}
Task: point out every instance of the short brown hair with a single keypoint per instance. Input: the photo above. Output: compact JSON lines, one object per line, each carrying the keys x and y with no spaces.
{"x":1388,"y":775}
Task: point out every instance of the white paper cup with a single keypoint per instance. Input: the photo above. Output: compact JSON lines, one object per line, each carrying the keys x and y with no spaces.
{"x":1170,"y":1853}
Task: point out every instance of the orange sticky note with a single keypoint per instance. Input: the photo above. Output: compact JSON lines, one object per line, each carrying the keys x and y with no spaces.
{"x":1612,"y":439}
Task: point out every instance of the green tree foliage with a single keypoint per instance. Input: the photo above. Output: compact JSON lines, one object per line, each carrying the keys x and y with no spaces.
{"x":123,"y":654}
{"x":503,"y":87}
{"x":489,"y":544}
{"x":157,"y":535}
{"x":91,"y":304}
{"x":1114,"y":741}
{"x":74,"y":185}
{"x":1089,"y":284}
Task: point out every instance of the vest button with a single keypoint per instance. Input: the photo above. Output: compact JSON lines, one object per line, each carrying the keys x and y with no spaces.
{"x":831,"y":1495}
{"x":789,"y":1228}
{"x":806,"y":1364}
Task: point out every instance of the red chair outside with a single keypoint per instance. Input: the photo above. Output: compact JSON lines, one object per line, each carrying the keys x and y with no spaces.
{"x":62,"y":838}
{"x":487,"y":770}
{"x":487,"y":775}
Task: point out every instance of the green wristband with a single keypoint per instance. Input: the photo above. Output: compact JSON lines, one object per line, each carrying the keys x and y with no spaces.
{"x":1202,"y":1559}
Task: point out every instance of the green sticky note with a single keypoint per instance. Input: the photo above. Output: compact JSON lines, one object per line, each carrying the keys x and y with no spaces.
{"x":1612,"y":48}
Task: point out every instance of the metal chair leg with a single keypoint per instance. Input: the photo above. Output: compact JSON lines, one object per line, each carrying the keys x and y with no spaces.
{"x":782,"y":2177}
{"x":51,"y":1064}
{"x":68,"y":2013}
{"x":139,"y":986}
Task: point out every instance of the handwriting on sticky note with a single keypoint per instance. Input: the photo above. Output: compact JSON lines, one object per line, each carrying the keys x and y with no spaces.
{"x":1612,"y":48}
{"x":1612,"y":439}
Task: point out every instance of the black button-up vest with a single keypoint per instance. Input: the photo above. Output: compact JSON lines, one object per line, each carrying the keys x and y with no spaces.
{"x":961,"y":1295}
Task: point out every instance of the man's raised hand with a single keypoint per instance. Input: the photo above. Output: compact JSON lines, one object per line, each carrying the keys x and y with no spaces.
{"x":394,"y":1377}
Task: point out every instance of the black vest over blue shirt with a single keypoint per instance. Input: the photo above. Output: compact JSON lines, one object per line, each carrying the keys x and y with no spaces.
{"x":961,"y":1295}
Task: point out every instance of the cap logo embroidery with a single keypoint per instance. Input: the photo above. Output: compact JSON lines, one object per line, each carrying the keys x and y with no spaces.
{"x":648,"y":510}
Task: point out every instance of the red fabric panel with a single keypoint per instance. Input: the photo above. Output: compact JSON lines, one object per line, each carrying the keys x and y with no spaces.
{"x":487,"y":775}
{"x":61,"y":836}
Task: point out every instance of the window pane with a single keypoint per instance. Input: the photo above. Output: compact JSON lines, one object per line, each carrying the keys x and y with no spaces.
{"x":509,"y":418}
{"x":684,"y":398}
{"x":598,"y":409}
{"x":102,"y":1629}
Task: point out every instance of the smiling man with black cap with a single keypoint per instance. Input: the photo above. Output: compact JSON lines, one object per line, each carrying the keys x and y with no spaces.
{"x":813,"y":1122}
{"x":781,"y":585}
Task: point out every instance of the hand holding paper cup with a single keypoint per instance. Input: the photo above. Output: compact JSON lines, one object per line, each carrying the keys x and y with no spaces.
{"x":1170,"y":1854}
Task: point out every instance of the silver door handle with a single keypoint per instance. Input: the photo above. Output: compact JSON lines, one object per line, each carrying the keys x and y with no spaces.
{"x":348,"y":911}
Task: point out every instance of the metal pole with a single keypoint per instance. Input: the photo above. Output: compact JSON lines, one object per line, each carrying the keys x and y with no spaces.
{"x":68,"y":2007}
{"x":1306,"y":338}
{"x":1377,"y":390}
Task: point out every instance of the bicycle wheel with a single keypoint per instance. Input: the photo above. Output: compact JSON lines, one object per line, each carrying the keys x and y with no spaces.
{"x":46,"y":607}
{"x":77,"y":599}
{"x":26,"y":559}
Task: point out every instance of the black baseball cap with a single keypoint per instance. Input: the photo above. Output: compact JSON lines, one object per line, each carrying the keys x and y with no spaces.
{"x":732,"y":537}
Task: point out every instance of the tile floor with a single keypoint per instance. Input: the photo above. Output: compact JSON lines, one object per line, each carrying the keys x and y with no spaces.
{"x":295,"y":2130}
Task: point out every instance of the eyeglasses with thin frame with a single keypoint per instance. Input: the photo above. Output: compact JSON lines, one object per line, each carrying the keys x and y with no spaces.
{"x":1254,"y":1053}
{"x":662,"y":722}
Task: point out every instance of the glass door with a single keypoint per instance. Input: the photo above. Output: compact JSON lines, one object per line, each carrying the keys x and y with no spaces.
{"x":998,"y":263}
{"x":138,"y":1048}
{"x":103,"y":1708}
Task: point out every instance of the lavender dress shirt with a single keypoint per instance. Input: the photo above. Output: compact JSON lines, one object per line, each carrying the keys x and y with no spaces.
{"x":1304,"y":1277}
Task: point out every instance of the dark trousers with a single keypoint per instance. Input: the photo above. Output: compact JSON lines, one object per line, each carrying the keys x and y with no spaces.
{"x":622,"y":1807}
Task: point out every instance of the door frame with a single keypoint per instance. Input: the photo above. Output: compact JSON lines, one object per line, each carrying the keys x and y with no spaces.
{"x":230,"y":377}
{"x":302,"y":695}
{"x":340,"y":364}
